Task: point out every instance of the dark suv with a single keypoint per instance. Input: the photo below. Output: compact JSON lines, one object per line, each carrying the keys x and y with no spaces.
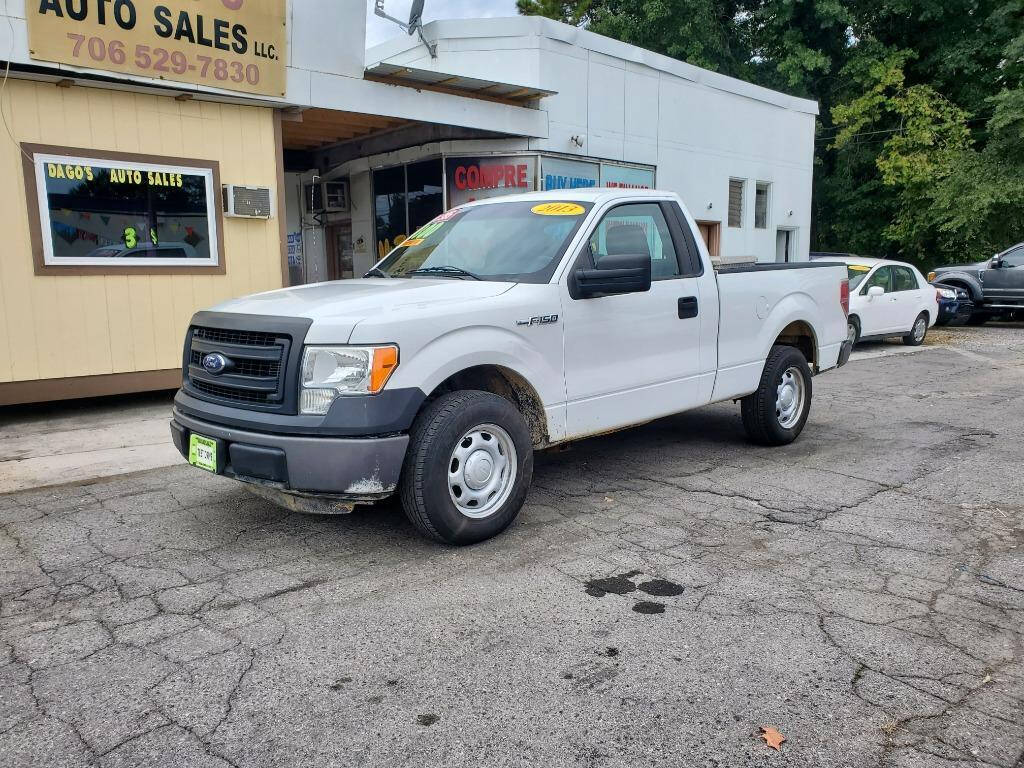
{"x":996,"y":286}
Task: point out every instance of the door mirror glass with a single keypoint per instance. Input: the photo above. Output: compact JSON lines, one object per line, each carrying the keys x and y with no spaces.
{"x":615,"y":274}
{"x":875,"y":290}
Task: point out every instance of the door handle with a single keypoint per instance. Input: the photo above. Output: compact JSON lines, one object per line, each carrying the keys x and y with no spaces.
{"x":688,"y":307}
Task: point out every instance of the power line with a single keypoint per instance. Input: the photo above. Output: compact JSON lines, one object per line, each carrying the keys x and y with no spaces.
{"x":898,"y":130}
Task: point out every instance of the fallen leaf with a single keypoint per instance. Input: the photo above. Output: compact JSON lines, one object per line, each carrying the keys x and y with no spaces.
{"x":772,"y":738}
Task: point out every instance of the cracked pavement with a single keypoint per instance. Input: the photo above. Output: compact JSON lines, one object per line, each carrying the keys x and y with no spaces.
{"x":861,"y":590}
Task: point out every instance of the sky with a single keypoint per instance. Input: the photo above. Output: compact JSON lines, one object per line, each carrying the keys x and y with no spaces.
{"x":378,"y":30}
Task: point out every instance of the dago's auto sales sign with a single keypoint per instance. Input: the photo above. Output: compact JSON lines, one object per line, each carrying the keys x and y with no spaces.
{"x":234,"y":44}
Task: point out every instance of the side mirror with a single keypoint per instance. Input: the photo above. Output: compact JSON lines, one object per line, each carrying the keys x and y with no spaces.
{"x":875,"y":290}
{"x":625,"y":273}
{"x":997,"y":263}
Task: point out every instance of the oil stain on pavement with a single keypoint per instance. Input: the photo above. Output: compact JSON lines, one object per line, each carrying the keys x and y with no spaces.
{"x":625,"y":583}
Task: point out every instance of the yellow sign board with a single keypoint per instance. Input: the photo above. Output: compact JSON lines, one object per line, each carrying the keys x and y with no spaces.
{"x":238,"y":45}
{"x":559,"y":209}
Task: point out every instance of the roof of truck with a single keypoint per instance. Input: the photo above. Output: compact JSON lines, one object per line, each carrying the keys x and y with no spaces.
{"x":587,"y":195}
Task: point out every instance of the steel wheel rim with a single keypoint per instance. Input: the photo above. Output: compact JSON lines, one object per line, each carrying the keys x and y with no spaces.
{"x":482,"y":471}
{"x":920,"y":328}
{"x":790,"y":397}
{"x":851,"y":332}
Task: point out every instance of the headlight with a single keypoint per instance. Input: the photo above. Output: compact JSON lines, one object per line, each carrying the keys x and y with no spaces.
{"x":946,"y":293}
{"x":332,"y":372}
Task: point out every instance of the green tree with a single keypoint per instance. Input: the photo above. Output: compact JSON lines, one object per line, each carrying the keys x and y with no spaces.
{"x":920,"y":151}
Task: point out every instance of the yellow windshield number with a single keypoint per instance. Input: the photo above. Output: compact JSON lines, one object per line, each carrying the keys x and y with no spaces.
{"x":558,"y":209}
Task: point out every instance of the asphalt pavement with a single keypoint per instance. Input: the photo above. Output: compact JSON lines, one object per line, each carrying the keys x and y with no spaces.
{"x":666,"y":593}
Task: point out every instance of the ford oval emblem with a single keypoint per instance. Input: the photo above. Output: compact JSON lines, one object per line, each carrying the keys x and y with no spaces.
{"x":215,"y":363}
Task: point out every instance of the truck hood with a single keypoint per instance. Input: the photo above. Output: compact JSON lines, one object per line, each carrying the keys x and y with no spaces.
{"x":961,"y":267}
{"x":343,"y":303}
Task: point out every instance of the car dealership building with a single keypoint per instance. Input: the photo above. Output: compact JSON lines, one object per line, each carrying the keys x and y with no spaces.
{"x":161,"y":157}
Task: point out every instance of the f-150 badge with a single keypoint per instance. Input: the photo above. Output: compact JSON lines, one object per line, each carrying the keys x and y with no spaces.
{"x":539,"y":320}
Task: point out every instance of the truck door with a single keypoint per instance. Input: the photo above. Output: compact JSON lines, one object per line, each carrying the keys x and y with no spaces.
{"x":634,"y":357}
{"x":1006,"y":282}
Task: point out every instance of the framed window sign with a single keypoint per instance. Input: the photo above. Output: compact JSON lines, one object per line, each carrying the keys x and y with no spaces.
{"x":108,"y":212}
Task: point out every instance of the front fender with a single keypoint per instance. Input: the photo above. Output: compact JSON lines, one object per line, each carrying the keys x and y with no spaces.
{"x":473,"y":346}
{"x":971,"y":282}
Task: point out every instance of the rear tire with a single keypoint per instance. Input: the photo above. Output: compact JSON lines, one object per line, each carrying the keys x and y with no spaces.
{"x":776,"y":413}
{"x":853,"y":330}
{"x":918,"y":331}
{"x":468,"y":468}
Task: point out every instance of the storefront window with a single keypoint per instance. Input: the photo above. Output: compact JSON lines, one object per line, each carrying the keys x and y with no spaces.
{"x":426,"y":192}
{"x":481,"y":178}
{"x":406,"y":198}
{"x":101,"y":212}
{"x":389,"y":207}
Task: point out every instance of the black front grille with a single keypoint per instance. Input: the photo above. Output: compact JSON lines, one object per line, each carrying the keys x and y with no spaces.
{"x":242,"y":367}
{"x":254,"y":376}
{"x":241,"y":338}
{"x":230,"y":393}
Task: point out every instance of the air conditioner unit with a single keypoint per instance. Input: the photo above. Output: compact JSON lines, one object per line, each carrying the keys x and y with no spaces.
{"x":248,"y":202}
{"x":326,"y":197}
{"x":336,"y":196}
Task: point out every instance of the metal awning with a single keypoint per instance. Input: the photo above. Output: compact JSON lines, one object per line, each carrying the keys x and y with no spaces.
{"x":457,"y":85}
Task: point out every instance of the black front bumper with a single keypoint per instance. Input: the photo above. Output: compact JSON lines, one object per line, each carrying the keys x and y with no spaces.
{"x":353,"y":468}
{"x":951,"y":311}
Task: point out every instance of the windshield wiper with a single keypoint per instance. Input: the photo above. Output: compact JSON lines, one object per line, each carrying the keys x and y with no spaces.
{"x":376,"y":272}
{"x":444,"y":271}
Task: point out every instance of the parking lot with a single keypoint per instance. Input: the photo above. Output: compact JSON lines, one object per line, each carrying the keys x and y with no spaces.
{"x":666,"y":592}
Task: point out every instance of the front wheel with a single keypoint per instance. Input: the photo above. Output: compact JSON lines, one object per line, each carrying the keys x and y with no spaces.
{"x":917,"y":332}
{"x":468,"y":468}
{"x":776,"y":413}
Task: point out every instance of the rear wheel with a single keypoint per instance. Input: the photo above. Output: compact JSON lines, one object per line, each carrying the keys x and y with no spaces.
{"x":917,"y":331}
{"x":852,"y":330}
{"x":468,"y":467}
{"x":776,"y":413}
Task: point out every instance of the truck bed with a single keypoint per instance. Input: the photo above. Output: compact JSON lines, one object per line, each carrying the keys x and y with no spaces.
{"x":757,"y":302}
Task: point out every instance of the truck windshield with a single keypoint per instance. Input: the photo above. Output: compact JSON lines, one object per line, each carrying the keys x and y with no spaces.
{"x":518,"y":242}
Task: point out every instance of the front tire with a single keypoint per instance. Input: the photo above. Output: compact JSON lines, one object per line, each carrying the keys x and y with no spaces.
{"x":978,"y":318}
{"x":468,"y":467}
{"x":918,"y":331}
{"x":776,"y":413}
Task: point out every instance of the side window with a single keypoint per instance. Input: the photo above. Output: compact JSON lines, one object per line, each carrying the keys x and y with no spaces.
{"x":1014,"y":258}
{"x":637,"y":228}
{"x":882,"y":277}
{"x":903,"y":279}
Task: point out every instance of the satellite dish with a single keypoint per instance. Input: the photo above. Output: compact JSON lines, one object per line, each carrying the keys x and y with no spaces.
{"x":416,"y":16}
{"x":415,"y":24}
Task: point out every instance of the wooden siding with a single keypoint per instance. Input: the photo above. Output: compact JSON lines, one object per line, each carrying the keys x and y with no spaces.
{"x":66,"y":325}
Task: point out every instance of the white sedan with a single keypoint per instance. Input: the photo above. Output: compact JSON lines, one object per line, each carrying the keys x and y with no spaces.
{"x":887,"y":298}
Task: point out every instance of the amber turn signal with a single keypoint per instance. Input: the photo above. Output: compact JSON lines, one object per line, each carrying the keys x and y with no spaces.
{"x":385,"y":360}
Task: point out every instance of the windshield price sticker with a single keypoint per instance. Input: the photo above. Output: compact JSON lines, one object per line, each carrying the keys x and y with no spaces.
{"x":558,"y":209}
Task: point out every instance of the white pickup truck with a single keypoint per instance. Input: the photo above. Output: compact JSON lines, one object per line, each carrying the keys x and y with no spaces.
{"x":500,"y":328}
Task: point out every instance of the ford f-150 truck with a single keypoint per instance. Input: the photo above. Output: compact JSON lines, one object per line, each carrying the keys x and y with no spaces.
{"x":500,"y":328}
